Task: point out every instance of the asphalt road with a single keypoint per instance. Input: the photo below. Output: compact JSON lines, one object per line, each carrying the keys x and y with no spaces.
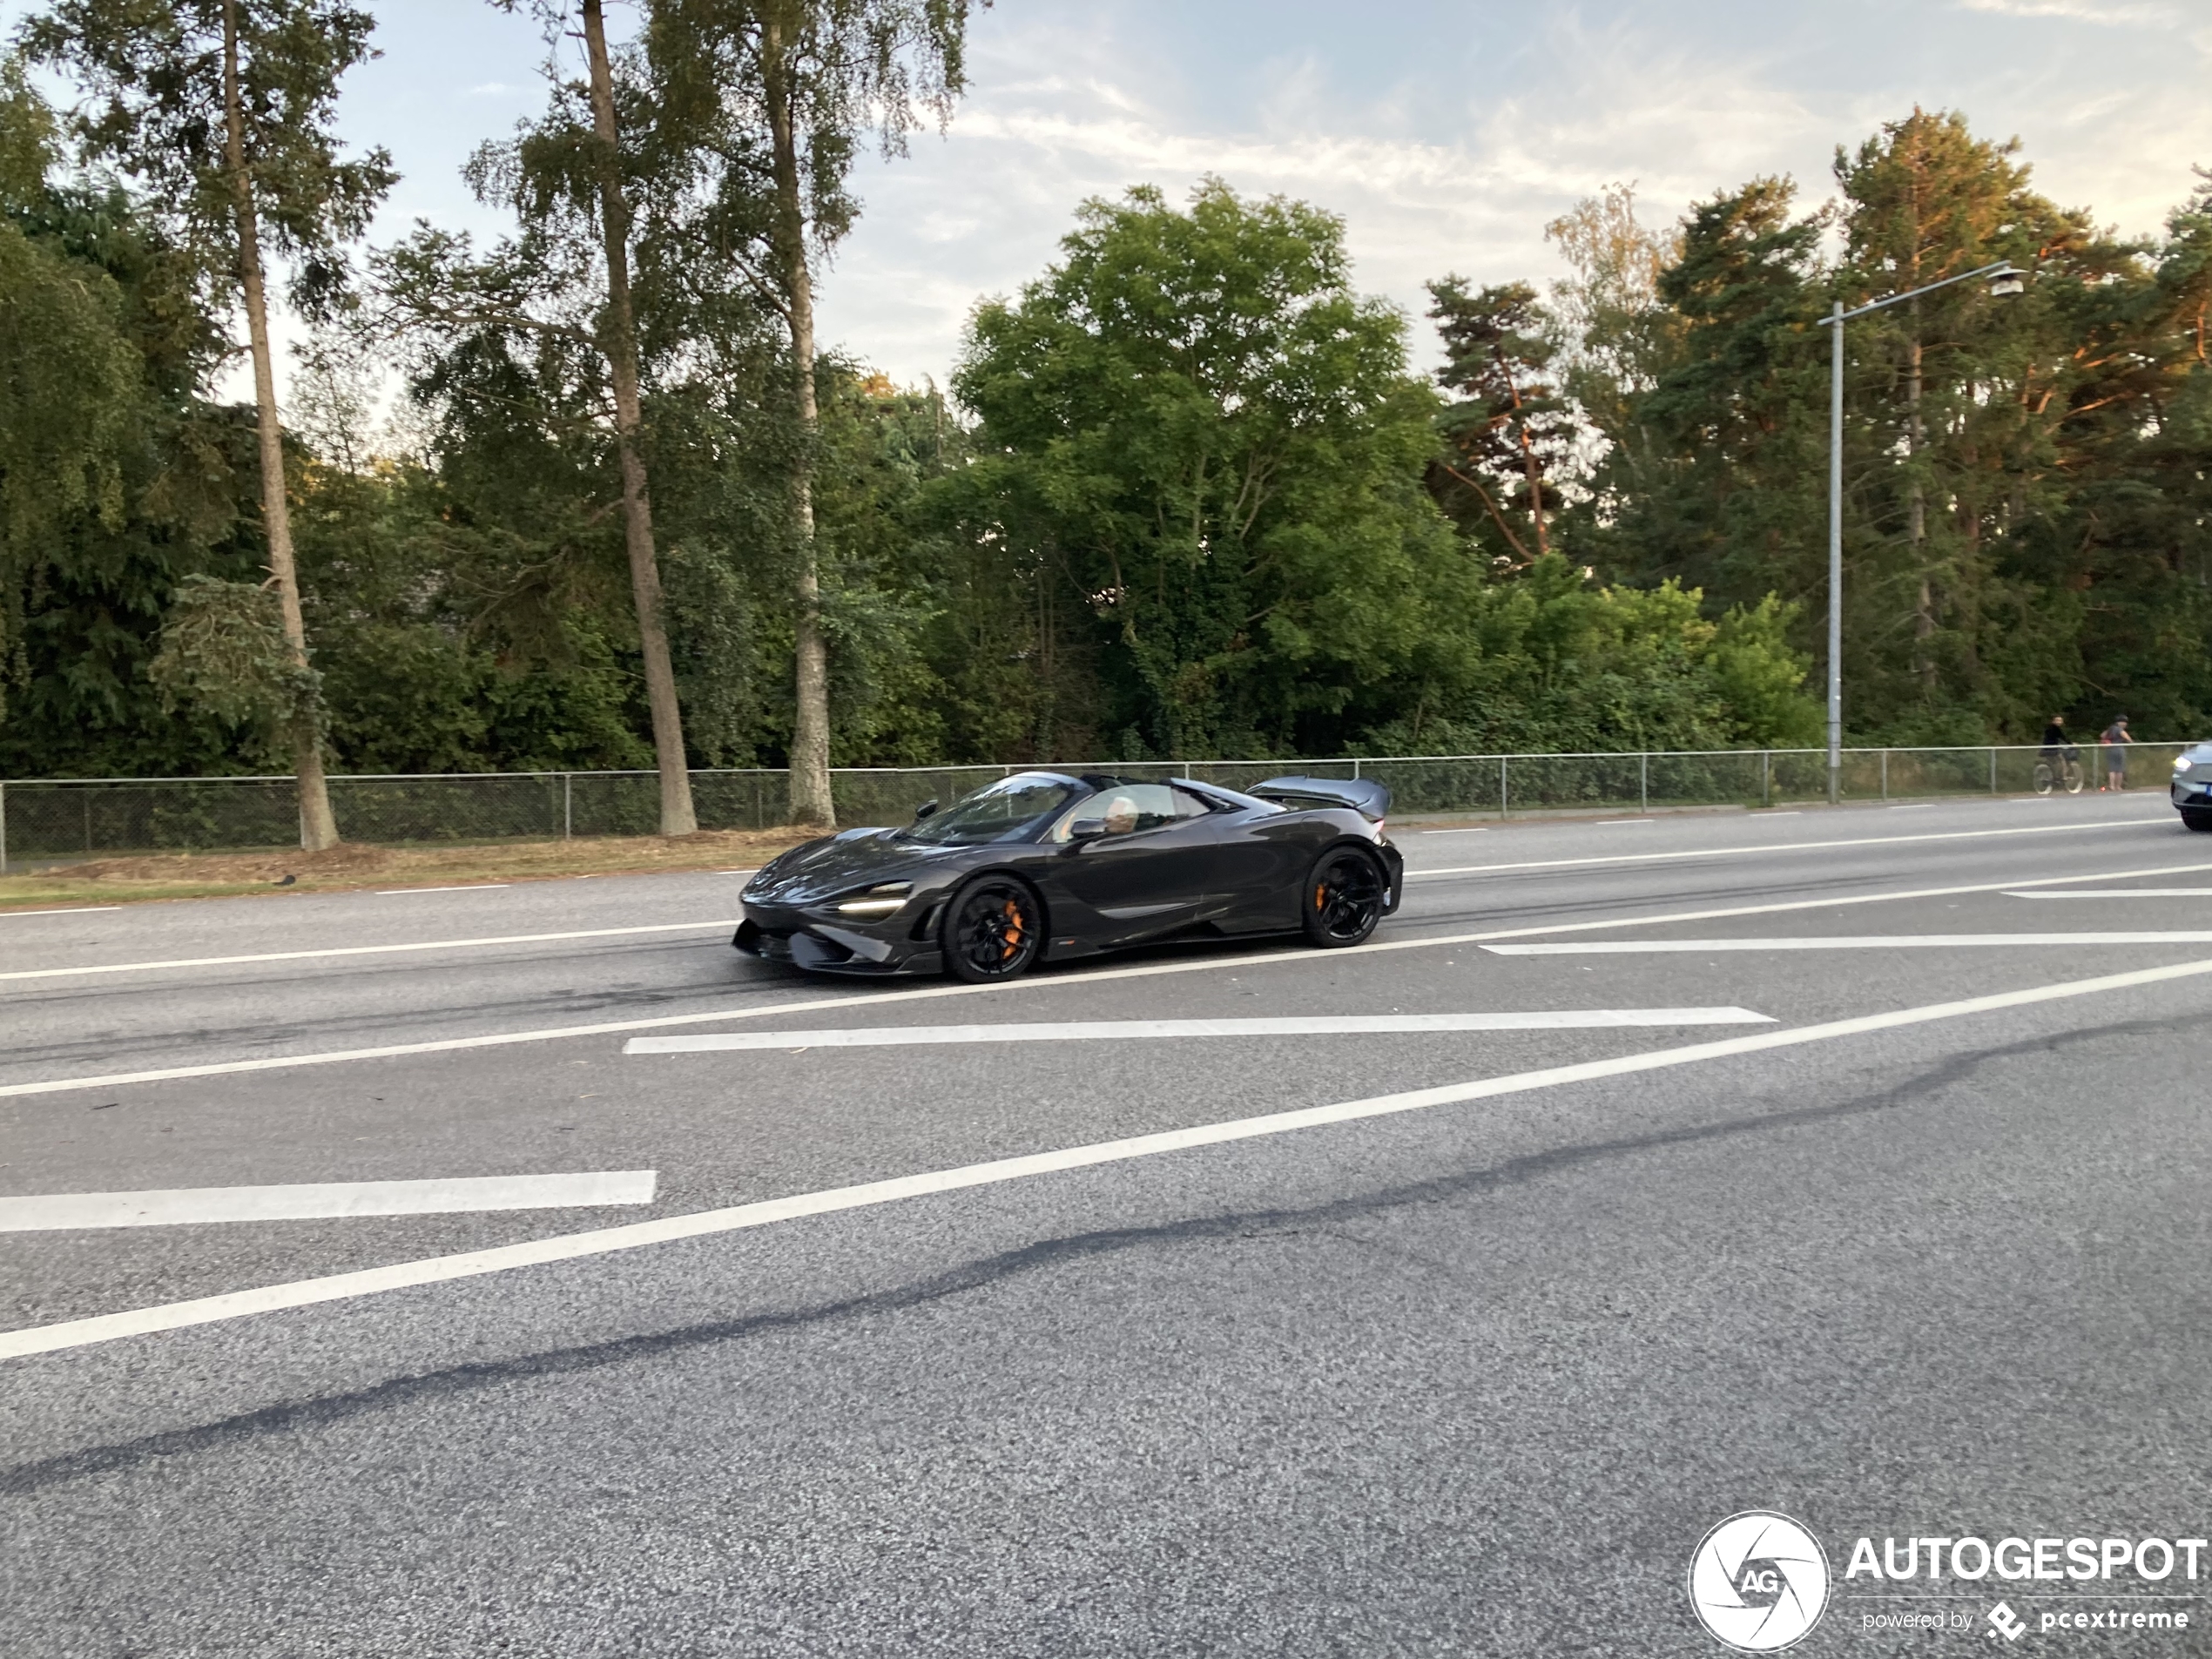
{"x":1467,"y":1372}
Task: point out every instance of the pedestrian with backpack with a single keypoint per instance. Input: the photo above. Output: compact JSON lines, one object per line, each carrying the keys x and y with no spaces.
{"x":2116,"y":740}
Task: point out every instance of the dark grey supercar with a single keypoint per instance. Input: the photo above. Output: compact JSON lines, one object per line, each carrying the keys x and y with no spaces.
{"x":1047,"y":865}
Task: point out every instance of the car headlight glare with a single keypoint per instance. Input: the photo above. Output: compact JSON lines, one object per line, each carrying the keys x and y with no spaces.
{"x":877,"y":902}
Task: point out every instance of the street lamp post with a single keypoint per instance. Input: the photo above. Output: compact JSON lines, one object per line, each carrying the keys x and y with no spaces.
{"x":2004,"y":282}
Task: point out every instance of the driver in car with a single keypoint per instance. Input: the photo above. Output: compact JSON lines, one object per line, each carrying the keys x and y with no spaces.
{"x":1120,"y":815}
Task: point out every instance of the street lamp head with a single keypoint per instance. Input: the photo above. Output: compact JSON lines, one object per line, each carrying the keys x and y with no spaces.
{"x":2007,"y":283}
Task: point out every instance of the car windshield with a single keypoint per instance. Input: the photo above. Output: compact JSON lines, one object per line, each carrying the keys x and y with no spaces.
{"x":1008,"y":810}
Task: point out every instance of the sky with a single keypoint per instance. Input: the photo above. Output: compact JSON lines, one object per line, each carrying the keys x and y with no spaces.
{"x":1445,"y":134}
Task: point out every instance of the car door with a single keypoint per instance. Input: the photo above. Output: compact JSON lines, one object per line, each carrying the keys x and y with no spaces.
{"x":1263,"y":862}
{"x":1149,"y":875}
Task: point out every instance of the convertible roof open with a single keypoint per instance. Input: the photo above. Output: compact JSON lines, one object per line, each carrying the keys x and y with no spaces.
{"x":1362,"y":795}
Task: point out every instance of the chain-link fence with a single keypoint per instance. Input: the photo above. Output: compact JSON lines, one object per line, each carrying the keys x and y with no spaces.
{"x":80,"y":818}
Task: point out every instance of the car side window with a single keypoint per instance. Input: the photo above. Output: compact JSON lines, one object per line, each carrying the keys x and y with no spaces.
{"x":1127,"y":808}
{"x":1189,"y":803}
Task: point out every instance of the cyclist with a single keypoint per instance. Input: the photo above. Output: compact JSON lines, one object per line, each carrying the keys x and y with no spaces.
{"x":2058,"y":759}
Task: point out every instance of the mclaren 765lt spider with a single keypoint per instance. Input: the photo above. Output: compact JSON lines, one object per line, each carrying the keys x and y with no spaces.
{"x":1048,"y":866}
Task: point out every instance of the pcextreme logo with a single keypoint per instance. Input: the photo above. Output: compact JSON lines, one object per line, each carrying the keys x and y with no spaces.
{"x":1759,"y":1581}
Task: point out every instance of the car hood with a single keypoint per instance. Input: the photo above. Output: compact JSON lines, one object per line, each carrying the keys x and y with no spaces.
{"x":836,"y":863}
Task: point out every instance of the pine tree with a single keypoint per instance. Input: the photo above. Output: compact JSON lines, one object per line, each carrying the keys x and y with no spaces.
{"x":1511,"y":432}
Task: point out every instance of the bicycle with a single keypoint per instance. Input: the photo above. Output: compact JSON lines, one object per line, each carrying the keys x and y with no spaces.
{"x":2059,"y":769}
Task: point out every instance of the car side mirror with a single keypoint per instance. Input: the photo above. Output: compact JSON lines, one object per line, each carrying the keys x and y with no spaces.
{"x":924,"y":809}
{"x":1087,"y":829}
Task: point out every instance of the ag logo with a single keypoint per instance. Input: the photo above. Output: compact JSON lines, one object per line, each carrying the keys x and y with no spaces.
{"x":1758,"y":1581}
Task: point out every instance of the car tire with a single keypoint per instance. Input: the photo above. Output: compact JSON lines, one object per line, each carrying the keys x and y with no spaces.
{"x":993,"y":929}
{"x":2197,"y":820}
{"x":1342,"y":900}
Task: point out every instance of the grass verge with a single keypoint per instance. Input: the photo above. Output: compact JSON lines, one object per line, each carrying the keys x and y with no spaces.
{"x":344,"y":868}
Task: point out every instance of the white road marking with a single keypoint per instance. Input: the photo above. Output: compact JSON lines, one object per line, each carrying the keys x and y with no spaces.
{"x":1916,"y":807}
{"x":1875,"y":941}
{"x":2122,"y":893}
{"x":1785,"y":846}
{"x":367,"y":950}
{"x":181,"y":1206}
{"x":1478,"y":829}
{"x":173,"y":1316}
{"x":472,"y":886}
{"x":875,"y":998}
{"x":74,"y":910}
{"x":1611,"y":821}
{"x":752,"y":871}
{"x":884,"y":1036}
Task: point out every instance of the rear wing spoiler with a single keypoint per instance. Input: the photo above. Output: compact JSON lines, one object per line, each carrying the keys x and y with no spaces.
{"x":1364,"y":795}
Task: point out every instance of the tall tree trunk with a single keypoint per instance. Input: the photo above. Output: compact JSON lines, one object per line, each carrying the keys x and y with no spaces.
{"x":317,"y":828}
{"x":1535,"y":486}
{"x":810,"y":777}
{"x":1916,"y":511}
{"x":1527,"y":461}
{"x":676,"y":814}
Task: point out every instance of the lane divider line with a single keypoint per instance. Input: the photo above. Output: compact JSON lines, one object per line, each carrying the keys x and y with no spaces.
{"x":466,"y":887}
{"x":323,"y":1200}
{"x":363,"y":950}
{"x":885,"y":1036}
{"x":1147,"y":970}
{"x":1841,"y":941}
{"x":2120,"y":893}
{"x":73,"y":910}
{"x":1784,"y":846}
{"x":436,"y":1270}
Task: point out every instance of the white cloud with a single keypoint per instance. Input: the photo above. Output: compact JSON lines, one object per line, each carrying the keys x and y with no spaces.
{"x":1454,"y":151}
{"x":2113,"y":12}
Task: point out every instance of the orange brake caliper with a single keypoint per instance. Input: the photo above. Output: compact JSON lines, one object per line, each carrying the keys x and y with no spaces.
{"x":1320,"y":892}
{"x":1013,"y":935}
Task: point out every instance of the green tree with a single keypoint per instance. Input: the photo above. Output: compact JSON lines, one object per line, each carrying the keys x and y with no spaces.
{"x":1511,"y":430}
{"x":1195,"y":416}
{"x":121,"y":481}
{"x":1614,"y":337}
{"x":70,"y":377}
{"x":1714,"y":471}
{"x":1551,"y":661}
{"x":224,"y":109}
{"x":1925,"y":199}
{"x":795,"y":86}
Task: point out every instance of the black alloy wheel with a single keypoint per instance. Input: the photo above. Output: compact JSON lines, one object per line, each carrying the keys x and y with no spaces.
{"x":1343,"y":898}
{"x":2198,"y":821}
{"x":993,"y":930}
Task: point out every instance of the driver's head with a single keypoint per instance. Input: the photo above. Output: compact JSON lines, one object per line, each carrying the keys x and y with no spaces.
{"x":1120,"y":815}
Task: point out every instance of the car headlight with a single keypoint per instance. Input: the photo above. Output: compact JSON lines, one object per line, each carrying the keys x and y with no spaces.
{"x":878,"y":900}
{"x":2180,"y":763}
